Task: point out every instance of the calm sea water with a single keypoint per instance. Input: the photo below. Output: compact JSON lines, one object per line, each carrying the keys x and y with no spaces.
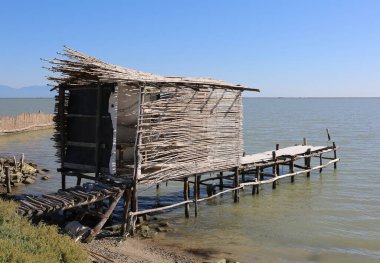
{"x":331,"y":217}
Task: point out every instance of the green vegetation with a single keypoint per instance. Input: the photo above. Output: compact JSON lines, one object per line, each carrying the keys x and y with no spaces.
{"x":22,"y":242}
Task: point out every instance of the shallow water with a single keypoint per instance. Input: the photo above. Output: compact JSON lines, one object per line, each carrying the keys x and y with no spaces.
{"x":332,"y":217}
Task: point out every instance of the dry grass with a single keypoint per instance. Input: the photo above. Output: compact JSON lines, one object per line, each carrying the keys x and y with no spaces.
{"x":22,"y":242}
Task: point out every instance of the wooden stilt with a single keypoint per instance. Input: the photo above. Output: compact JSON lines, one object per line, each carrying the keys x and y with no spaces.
{"x":304,"y":141}
{"x":79,"y":179}
{"x":221,"y":181}
{"x":261,"y":173}
{"x":255,"y":188}
{"x":63,"y":175}
{"x":335,"y":156}
{"x":236,"y":184}
{"x":320,"y":163}
{"x":291,"y":169}
{"x":157,"y":186}
{"x":199,"y":186}
{"x":196,"y":179}
{"x":308,"y":161}
{"x":98,"y":227}
{"x":127,"y":203}
{"x":186,"y":195}
{"x":8,"y":177}
{"x":274,"y":169}
{"x":277,"y":166}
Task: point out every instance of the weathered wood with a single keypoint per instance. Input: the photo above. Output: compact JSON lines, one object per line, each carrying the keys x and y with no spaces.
{"x":186,"y":195}
{"x":291,"y":170}
{"x":328,"y":135}
{"x":308,"y":162}
{"x":8,"y":178}
{"x":274,"y":169}
{"x":334,"y":147}
{"x":320,"y":162}
{"x":98,"y":227}
{"x":236,"y":184}
{"x":196,"y":179}
{"x":220,"y":180}
{"x":126,"y":206}
{"x":97,"y":130}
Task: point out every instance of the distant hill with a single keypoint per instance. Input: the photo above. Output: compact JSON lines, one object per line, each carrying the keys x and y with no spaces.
{"x":26,"y":92}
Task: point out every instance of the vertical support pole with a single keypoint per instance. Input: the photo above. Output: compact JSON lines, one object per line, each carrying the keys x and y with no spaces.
{"x":79,"y":180}
{"x":334,"y":148}
{"x":199,"y":186}
{"x":261,"y":173}
{"x":196,"y":195}
{"x":328,"y":135}
{"x":97,"y":130}
{"x":221,"y":181}
{"x":308,"y":161}
{"x":157,"y":186}
{"x":274,"y":169}
{"x":291,"y":169}
{"x":127,"y":202}
{"x":255,"y":188}
{"x":186,"y":195}
{"x":277,"y":166}
{"x":320,"y":163}
{"x":61,"y":114}
{"x":304,"y":141}
{"x":22,"y":162}
{"x":137,"y":155}
{"x":236,"y":184}
{"x":8,"y":177}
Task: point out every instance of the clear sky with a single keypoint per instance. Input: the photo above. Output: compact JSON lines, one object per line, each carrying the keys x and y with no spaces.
{"x":285,"y":48}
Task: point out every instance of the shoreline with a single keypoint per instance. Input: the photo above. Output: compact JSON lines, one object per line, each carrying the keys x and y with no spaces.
{"x":136,"y":250}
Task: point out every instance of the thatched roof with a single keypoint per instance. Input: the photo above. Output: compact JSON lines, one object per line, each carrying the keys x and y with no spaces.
{"x":76,"y":68}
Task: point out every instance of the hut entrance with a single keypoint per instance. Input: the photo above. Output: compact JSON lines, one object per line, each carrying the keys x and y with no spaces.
{"x":89,"y":137}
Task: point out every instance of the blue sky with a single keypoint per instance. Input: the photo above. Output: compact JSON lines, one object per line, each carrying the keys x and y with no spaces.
{"x":285,"y":48}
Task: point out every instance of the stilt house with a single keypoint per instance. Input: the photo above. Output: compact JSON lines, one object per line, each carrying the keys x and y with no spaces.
{"x":115,"y":121}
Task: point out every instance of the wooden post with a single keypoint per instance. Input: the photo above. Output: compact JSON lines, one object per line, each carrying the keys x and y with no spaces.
{"x":328,"y":135}
{"x":199,"y":186}
{"x":97,"y":130}
{"x":113,"y":201}
{"x":8,"y":177}
{"x":79,"y":180}
{"x":196,"y":195}
{"x":334,"y":148}
{"x":261,"y":173}
{"x":236,"y":184}
{"x":221,"y":181}
{"x":22,"y":161}
{"x":274,"y":169}
{"x":320,"y":163}
{"x":63,"y":174}
{"x":308,"y":161}
{"x":277,"y":166}
{"x":255,"y":188}
{"x":186,"y":195}
{"x":61,"y":114}
{"x":157,"y":186}
{"x":304,"y":141}
{"x":291,"y":169}
{"x":127,"y":202}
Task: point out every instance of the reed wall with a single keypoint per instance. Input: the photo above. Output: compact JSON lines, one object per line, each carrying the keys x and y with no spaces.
{"x":25,"y":121}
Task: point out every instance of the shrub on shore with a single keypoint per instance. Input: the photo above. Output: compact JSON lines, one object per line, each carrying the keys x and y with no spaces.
{"x":20,"y":241}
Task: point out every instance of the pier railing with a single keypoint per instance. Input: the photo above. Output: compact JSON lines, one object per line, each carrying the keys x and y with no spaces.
{"x":25,"y":121}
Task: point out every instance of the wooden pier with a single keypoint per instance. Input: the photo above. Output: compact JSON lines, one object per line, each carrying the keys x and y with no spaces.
{"x":255,"y":170}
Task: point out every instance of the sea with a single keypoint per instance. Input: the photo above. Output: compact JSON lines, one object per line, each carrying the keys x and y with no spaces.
{"x":333,"y":216}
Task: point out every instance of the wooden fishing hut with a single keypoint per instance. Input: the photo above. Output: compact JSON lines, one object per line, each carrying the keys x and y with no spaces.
{"x":123,"y":128}
{"x":126,"y":125}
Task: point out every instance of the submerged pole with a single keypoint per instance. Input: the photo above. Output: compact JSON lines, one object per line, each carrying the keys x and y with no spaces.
{"x":196,"y":195}
{"x":186,"y":195}
{"x":274,"y":169}
{"x":334,"y":148}
{"x":236,"y":184}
